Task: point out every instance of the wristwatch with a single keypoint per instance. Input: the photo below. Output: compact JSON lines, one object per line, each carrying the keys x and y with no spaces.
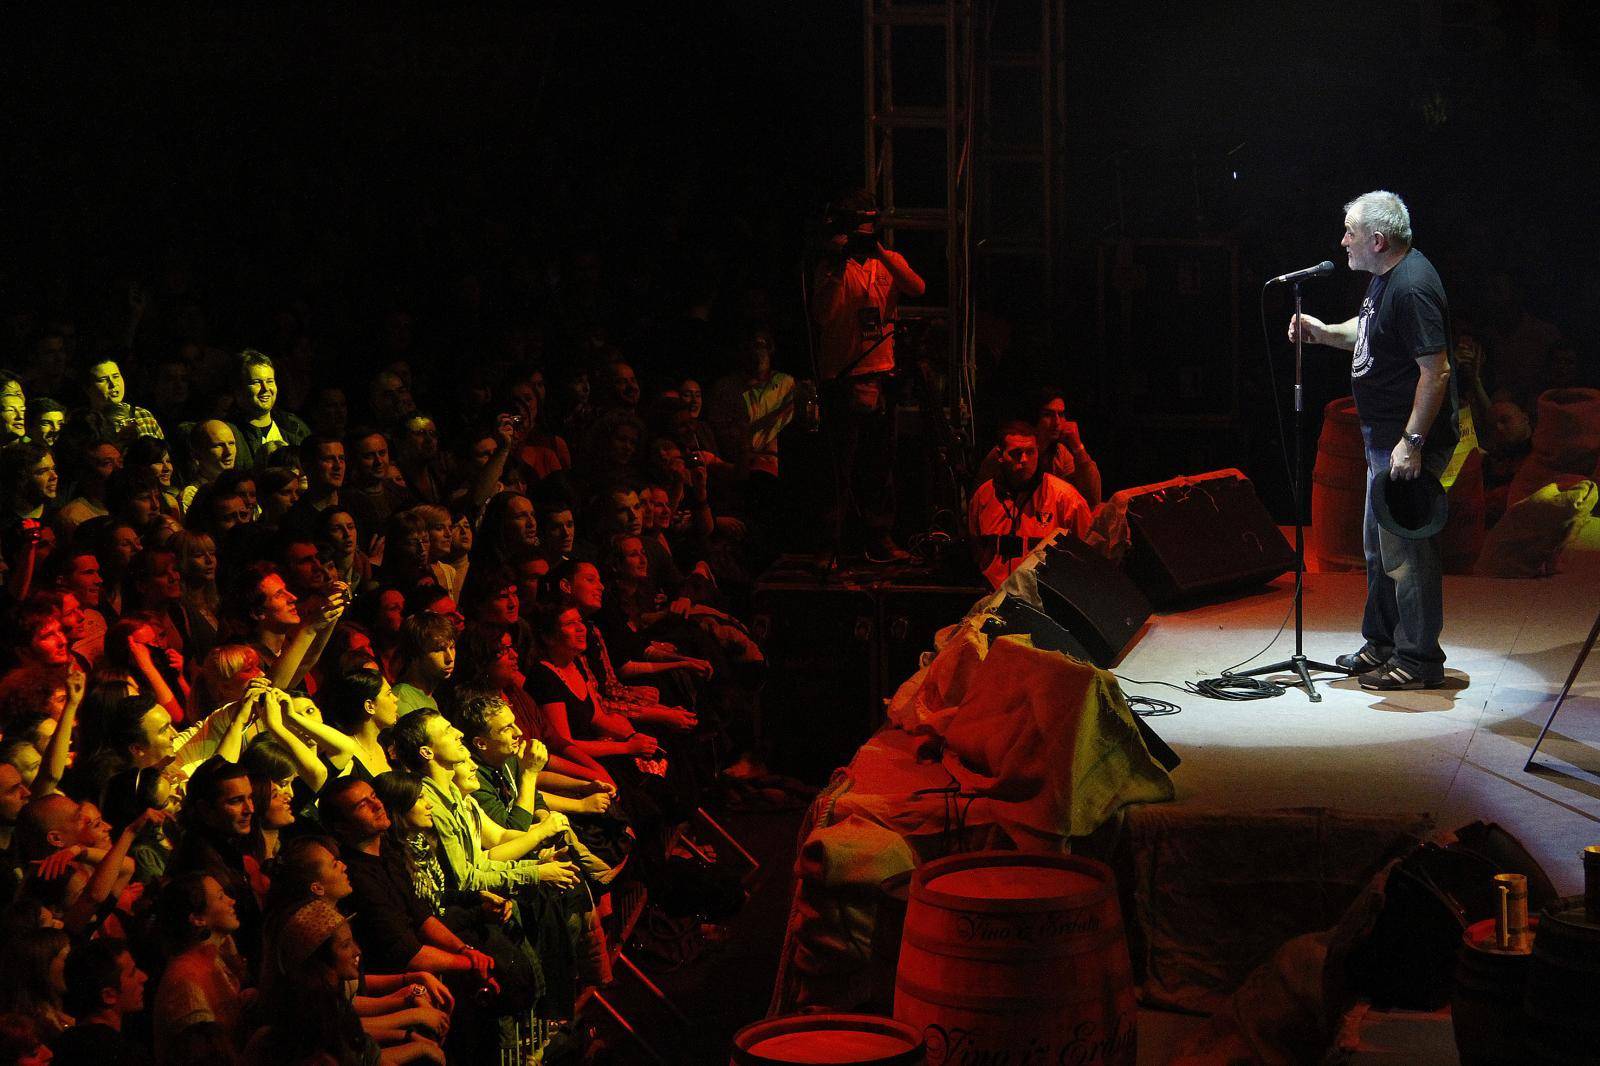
{"x":1414,"y":439}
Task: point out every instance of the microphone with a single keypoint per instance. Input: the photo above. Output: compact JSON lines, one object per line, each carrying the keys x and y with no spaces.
{"x":1321,"y":269}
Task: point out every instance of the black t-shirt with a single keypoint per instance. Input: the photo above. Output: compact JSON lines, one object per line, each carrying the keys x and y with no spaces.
{"x":93,"y":1044}
{"x":546,"y":686}
{"x":385,"y":911}
{"x":1403,"y":317}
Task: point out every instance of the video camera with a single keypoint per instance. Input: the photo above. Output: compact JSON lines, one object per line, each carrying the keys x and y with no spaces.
{"x":859,"y":228}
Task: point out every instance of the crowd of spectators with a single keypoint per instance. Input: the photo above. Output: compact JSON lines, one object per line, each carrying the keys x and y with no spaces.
{"x":336,"y":704}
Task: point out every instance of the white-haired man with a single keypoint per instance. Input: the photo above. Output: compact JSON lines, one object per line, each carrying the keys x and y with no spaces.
{"x":1400,"y":375}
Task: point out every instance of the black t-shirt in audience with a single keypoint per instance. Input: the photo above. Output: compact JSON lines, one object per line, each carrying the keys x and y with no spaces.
{"x":546,"y":686}
{"x":385,"y":911}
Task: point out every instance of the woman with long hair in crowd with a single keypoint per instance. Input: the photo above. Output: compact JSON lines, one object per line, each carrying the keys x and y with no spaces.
{"x":136,"y":655}
{"x":278,"y":489}
{"x":152,"y":589}
{"x":115,"y":544}
{"x":153,"y":454}
{"x":272,"y":778}
{"x":362,"y":706}
{"x":200,"y":601}
{"x":34,"y":965}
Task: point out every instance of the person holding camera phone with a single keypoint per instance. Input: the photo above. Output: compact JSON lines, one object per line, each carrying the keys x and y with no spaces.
{"x":857,"y":291}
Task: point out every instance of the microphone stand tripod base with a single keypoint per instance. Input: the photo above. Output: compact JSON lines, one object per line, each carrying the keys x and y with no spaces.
{"x":1303,"y":667}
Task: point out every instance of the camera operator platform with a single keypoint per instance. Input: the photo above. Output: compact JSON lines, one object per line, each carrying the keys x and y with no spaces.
{"x":857,"y":288}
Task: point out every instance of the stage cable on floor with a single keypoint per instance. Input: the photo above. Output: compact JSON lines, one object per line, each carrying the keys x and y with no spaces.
{"x":1150,"y":707}
{"x":1228,"y":685}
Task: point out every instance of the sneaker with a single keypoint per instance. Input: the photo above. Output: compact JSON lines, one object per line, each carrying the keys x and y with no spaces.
{"x":1394,"y":677}
{"x":1360,"y":662}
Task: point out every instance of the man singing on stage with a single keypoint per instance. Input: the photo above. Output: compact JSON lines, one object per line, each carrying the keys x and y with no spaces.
{"x":1400,"y":375}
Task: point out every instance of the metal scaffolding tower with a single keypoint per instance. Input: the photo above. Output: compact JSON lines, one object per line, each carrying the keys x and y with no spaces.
{"x":962,"y":106}
{"x":919,"y":124}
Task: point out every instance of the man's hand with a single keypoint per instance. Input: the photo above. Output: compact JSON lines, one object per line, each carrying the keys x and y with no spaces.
{"x":559,"y":874}
{"x":1405,"y":462}
{"x":419,"y":1048}
{"x":435,"y":989}
{"x":697,"y":482}
{"x":498,"y":908}
{"x":53,"y":866}
{"x":555,"y":820}
{"x":535,"y":756}
{"x":482,"y":965}
{"x":76,"y":683}
{"x":1314,"y":330}
{"x":338,"y":600}
{"x":596,"y":803}
{"x":433,"y":1020}
{"x":512,"y":431}
{"x":1070,"y":438}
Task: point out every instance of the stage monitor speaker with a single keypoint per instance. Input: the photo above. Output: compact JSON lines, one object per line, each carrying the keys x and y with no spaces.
{"x":1091,"y":599}
{"x":1014,"y":616}
{"x":1201,"y":537}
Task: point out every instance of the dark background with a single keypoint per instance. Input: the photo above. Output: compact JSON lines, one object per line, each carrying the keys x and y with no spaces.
{"x":343,"y":164}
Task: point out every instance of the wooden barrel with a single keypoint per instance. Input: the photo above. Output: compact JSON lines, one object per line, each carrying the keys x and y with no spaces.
{"x":1566,"y":434}
{"x":1562,"y":1023}
{"x":1339,"y":499}
{"x":1486,"y":1002}
{"x":1011,"y":957}
{"x":1339,"y":489}
{"x":894,"y":896}
{"x":839,"y":1039}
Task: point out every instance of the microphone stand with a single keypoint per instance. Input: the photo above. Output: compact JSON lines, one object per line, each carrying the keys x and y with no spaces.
{"x":1298,"y":663}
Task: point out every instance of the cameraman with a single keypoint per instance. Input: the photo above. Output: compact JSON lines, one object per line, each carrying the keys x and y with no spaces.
{"x":858,"y":287}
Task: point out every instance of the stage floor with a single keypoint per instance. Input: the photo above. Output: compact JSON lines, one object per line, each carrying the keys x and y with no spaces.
{"x":1456,"y":753}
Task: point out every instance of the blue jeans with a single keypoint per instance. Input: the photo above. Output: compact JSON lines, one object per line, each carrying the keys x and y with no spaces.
{"x":1405,"y":586}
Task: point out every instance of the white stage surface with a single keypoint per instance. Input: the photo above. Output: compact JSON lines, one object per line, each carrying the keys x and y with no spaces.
{"x":1456,"y":753}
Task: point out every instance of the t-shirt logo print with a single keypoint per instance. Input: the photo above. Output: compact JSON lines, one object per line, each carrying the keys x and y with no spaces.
{"x":1361,"y":362}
